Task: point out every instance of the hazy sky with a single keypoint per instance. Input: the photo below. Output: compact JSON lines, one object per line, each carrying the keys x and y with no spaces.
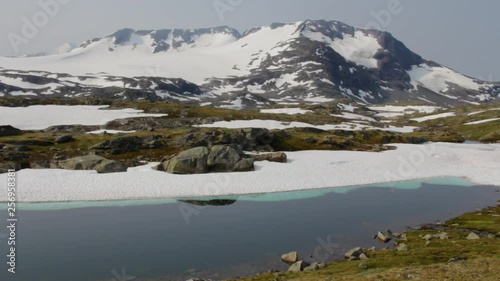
{"x":462,"y":34}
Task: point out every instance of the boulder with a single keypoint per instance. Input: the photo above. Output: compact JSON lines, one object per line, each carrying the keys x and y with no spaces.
{"x":6,"y":166}
{"x":192,"y":161}
{"x":313,"y":267}
{"x":278,"y":157}
{"x":298,"y":266}
{"x":126,"y":144}
{"x":473,"y":236}
{"x":8,"y":130}
{"x":363,"y":265}
{"x":91,"y":162}
{"x":402,"y":247}
{"x":64,"y":139}
{"x":354,"y":254}
{"x":385,"y":237}
{"x":223,"y":158}
{"x":290,"y":258}
{"x":199,"y":160}
{"x":110,"y":166}
{"x":87,"y":162}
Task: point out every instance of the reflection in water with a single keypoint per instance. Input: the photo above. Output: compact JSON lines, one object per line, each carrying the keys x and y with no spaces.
{"x":226,"y":237}
{"x":216,"y":202}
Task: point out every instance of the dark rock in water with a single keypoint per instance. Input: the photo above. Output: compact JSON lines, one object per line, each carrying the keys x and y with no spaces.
{"x":218,"y":202}
{"x":385,"y":237}
{"x":199,"y":160}
{"x":354,"y":254}
{"x":64,"y":139}
{"x":290,"y":258}
{"x":8,"y":130}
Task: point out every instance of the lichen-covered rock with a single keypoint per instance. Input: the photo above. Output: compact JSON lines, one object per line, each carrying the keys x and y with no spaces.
{"x":192,"y":161}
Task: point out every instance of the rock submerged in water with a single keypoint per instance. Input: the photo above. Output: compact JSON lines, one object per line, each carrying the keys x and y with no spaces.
{"x":385,"y":237}
{"x":357,"y":253}
{"x":290,"y":258}
{"x":201,"y":160}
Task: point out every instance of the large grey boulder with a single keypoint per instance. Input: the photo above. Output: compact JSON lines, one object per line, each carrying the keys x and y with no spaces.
{"x":228,"y":158}
{"x":200,"y":160}
{"x":222,"y":158}
{"x":87,"y":162}
{"x":192,"y":161}
{"x":110,"y":166}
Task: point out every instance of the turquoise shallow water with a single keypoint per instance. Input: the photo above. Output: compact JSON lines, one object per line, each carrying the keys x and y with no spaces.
{"x":222,"y":237}
{"x":268,"y":197}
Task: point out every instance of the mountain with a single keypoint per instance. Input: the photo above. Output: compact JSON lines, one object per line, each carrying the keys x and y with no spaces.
{"x":307,"y":61}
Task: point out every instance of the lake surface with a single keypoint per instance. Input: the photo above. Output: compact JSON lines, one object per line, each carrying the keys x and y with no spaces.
{"x":235,"y":236}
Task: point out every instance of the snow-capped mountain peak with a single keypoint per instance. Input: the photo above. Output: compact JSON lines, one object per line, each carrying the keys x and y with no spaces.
{"x":305,"y":61}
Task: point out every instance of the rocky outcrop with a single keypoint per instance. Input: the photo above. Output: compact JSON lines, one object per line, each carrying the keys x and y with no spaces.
{"x":252,"y":139}
{"x":6,"y":166}
{"x":64,"y":139}
{"x":192,"y":161}
{"x":8,"y":130}
{"x":200,"y":160}
{"x":90,"y":162}
{"x":129,"y":144}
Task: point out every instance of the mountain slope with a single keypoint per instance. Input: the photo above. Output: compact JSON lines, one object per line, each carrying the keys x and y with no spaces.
{"x":307,"y":61}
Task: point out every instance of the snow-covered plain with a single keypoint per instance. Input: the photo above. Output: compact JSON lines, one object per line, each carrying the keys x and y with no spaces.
{"x":39,"y":117}
{"x":305,"y":170}
{"x":279,"y":125}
